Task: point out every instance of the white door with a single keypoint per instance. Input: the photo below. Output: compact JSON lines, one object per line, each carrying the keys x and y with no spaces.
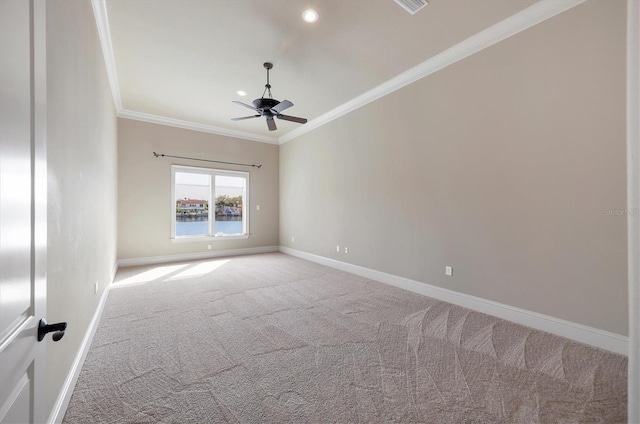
{"x":23,"y":231}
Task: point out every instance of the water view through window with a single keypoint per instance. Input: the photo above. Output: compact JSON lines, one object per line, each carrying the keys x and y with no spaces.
{"x":195,"y":216}
{"x":201,"y":227}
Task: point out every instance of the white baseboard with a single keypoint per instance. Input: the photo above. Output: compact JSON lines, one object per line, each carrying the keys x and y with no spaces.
{"x":580,"y":333}
{"x":152,"y":260}
{"x":62,"y":402}
{"x":570,"y":330}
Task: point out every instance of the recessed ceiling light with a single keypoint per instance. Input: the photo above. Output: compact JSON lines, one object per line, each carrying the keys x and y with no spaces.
{"x":310,"y":15}
{"x":241,"y":93}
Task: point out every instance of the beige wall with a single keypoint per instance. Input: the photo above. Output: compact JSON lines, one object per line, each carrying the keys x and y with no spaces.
{"x":144,"y":184}
{"x":81,"y":154}
{"x":503,"y":166}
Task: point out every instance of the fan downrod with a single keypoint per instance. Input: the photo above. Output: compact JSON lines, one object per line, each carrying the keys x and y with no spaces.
{"x":267,"y":86}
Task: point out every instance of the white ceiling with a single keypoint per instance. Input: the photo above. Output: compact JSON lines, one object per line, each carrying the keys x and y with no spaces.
{"x":182,"y":61}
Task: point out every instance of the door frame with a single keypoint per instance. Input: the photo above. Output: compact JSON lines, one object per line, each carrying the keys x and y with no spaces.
{"x":39,"y":190}
{"x":633,"y":206}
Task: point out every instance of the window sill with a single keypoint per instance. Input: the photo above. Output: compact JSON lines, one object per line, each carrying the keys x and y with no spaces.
{"x":195,"y":239}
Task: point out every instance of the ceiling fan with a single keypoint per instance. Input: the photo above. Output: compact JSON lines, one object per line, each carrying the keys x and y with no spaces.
{"x":269,"y":107}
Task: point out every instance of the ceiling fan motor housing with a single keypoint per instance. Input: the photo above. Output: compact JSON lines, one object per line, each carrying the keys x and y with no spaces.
{"x":264,"y":103}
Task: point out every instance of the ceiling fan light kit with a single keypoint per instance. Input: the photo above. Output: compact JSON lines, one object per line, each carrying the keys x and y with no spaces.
{"x":269,"y":107}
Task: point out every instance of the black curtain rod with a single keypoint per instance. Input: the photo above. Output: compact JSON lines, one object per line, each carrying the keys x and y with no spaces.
{"x":204,"y":160}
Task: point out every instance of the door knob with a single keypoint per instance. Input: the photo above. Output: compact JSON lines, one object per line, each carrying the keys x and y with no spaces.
{"x":44,"y":328}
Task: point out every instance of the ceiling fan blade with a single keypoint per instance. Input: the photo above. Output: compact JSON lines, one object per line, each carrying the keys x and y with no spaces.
{"x":285,"y":104}
{"x":271,"y":124}
{"x":244,"y":104}
{"x":245,"y":117}
{"x":292,"y":118}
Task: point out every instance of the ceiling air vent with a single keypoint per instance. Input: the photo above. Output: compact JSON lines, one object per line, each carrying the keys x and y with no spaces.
{"x":412,"y":6}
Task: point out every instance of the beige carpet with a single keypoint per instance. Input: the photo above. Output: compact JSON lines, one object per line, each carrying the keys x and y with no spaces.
{"x":276,"y":339}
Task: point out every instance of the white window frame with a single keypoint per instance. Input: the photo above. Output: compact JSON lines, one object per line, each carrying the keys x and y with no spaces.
{"x":212,"y":173}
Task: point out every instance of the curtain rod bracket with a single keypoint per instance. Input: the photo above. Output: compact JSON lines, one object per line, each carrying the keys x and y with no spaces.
{"x":157,"y":155}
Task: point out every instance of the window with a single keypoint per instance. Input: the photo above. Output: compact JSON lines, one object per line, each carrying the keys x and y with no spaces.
{"x":208,"y":203}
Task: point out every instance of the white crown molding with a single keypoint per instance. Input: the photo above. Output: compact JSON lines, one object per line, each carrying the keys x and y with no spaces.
{"x":567,"y":329}
{"x":532,"y":15}
{"x":102,"y":22}
{"x":162,"y":120}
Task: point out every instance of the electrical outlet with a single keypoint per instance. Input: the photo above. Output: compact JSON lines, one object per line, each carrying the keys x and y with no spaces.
{"x":346,"y":250}
{"x":209,"y":246}
{"x":257,"y":207}
{"x":293,"y":239}
{"x":338,"y":248}
{"x":95,"y":287}
{"x":448,"y":270}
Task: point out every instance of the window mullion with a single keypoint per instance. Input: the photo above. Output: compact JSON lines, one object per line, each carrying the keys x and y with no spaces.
{"x":212,"y":202}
